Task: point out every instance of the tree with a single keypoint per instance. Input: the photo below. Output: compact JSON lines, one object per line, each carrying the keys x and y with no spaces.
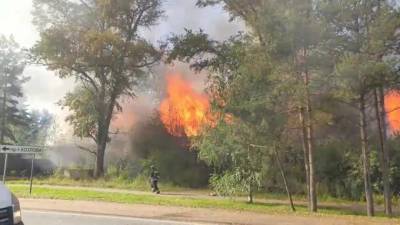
{"x":11,"y":79}
{"x":226,"y":146}
{"x":97,"y":42}
{"x":363,"y":31}
{"x":242,"y":87}
{"x":323,"y":60}
{"x":289,"y":33}
{"x":36,"y":130}
{"x":381,"y":42}
{"x":238,"y":165}
{"x":354,"y":78}
{"x":305,"y":39}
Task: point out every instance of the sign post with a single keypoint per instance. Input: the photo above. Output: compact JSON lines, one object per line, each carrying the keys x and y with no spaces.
{"x":31,"y":178}
{"x":14,"y":149}
{"x":5,"y":168}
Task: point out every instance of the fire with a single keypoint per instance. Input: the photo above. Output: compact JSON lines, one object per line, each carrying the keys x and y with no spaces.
{"x":392,"y":107}
{"x":184,"y":111}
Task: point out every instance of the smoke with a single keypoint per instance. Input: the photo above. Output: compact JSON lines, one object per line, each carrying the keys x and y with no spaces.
{"x":134,"y":109}
{"x":183,"y":14}
{"x":141,"y":112}
{"x":142,"y":134}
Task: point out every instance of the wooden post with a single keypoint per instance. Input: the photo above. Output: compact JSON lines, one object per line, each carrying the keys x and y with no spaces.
{"x":31,"y":178}
{"x":5,"y":168}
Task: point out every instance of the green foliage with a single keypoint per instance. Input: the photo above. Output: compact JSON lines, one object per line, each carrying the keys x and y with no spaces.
{"x":12,"y":65}
{"x":237,"y":166}
{"x":84,"y":115}
{"x":152,"y":145}
{"x":295,"y":55}
{"x":233,"y":183}
{"x":301,"y":54}
{"x":99,"y":44}
{"x":340,"y":171}
{"x":38,"y":129}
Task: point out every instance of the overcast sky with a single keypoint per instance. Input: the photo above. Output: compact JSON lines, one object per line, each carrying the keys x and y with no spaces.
{"x":44,"y":89}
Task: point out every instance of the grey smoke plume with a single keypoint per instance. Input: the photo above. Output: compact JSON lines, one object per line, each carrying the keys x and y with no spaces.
{"x":180,"y":15}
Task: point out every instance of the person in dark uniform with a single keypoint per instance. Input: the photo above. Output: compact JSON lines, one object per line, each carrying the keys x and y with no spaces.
{"x":154,"y":176}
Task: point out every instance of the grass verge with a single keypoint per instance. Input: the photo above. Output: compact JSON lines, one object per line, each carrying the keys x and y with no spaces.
{"x":141,"y":183}
{"x":229,"y":204}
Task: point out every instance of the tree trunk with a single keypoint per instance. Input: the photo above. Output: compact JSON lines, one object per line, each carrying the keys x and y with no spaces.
{"x":250,"y":197}
{"x":310,"y":144}
{"x":101,"y":149}
{"x":101,"y":142}
{"x":365,"y":157}
{"x":284,"y":180}
{"x":384,"y":156}
{"x":4,"y":112}
{"x":102,"y":137}
{"x":383,"y":113}
{"x":382,"y":153}
{"x":305,"y":151}
{"x":99,"y":169}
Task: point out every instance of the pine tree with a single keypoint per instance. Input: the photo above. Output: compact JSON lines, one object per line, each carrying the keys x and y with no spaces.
{"x":363,"y":31}
{"x":11,"y":79}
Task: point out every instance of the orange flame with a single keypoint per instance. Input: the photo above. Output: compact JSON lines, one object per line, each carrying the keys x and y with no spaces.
{"x":392,"y":107}
{"x":184,"y":112}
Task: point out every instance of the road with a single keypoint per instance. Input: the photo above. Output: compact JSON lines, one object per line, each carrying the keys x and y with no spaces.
{"x":61,"y":218}
{"x":68,"y":212}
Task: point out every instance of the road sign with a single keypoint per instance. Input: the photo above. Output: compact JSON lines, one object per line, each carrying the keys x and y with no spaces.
{"x":14,"y":149}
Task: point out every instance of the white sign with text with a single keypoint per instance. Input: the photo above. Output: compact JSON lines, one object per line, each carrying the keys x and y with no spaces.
{"x":14,"y":149}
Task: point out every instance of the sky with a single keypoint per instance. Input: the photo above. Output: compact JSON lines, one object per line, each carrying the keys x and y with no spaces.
{"x":44,"y":88}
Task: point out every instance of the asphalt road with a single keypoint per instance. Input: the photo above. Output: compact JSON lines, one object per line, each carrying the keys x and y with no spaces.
{"x":59,"y":218}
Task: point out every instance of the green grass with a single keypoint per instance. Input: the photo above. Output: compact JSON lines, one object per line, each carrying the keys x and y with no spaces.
{"x":77,"y":194}
{"x":20,"y":187}
{"x":140,"y":184}
{"x":128,"y":198}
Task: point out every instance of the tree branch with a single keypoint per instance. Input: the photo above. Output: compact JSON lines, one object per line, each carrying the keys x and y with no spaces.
{"x":85,"y":75}
{"x":85,"y":149}
{"x":92,"y":137}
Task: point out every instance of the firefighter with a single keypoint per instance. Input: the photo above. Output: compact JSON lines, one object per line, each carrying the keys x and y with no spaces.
{"x":154,"y":176}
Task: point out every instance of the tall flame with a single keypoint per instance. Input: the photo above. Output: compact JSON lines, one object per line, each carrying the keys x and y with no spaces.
{"x":184,"y":111}
{"x":392,"y":107}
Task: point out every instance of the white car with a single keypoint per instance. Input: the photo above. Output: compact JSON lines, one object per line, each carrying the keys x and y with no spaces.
{"x":10,"y":210}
